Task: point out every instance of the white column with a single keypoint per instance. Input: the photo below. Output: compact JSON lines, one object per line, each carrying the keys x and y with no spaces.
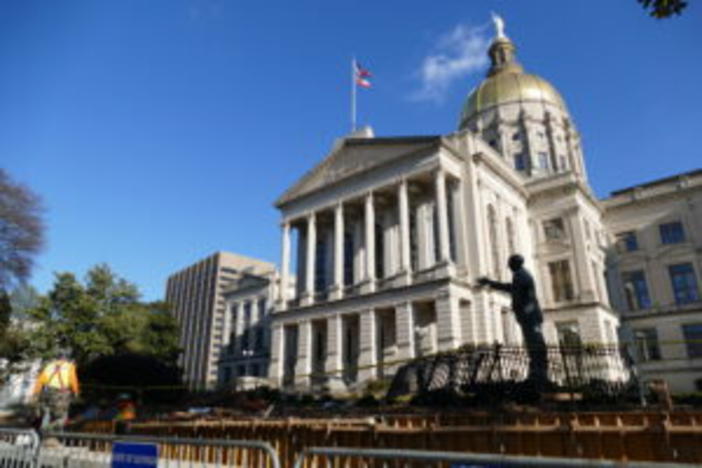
{"x":448,"y":321}
{"x":339,"y":250}
{"x":444,"y":251}
{"x":303,"y":367}
{"x":370,"y":241}
{"x":367,"y":344}
{"x":580,"y":264}
{"x":404,"y":318}
{"x":403,"y":202}
{"x":253,"y":325}
{"x":310,"y":259}
{"x":275,"y":369}
{"x":238,"y":327}
{"x":285,"y":266}
{"x":333,"y":365}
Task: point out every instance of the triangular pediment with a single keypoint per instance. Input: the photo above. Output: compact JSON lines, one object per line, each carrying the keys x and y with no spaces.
{"x":354,"y":155}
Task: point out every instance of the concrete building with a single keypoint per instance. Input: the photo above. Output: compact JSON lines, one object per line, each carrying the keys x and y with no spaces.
{"x":391,"y":234}
{"x":655,"y":269}
{"x":196,"y":296}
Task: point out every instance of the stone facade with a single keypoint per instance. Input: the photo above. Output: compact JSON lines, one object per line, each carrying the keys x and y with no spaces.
{"x":655,"y":267}
{"x":244,"y":356}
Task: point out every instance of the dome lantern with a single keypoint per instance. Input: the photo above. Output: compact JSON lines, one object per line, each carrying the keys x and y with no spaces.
{"x":506,"y":81}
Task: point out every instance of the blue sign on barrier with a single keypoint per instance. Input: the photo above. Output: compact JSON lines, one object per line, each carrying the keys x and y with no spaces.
{"x":134,"y":455}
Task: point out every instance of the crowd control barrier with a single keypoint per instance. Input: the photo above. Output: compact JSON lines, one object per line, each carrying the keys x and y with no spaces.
{"x":18,"y":448}
{"x":322,"y":457}
{"x":72,"y":450}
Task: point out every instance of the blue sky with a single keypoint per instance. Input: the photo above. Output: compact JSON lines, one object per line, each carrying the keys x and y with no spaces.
{"x":161,"y":131}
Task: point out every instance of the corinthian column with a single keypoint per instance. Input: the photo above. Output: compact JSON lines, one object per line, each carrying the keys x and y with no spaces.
{"x":310,"y":260}
{"x":339,"y":250}
{"x":444,"y":250}
{"x":370,"y":241}
{"x":403,"y":202}
{"x":285,"y":266}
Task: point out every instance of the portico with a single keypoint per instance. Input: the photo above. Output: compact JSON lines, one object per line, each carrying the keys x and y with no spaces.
{"x":375,"y":253}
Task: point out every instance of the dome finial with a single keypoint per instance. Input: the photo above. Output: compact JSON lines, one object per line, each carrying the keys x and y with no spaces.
{"x":499,"y":26}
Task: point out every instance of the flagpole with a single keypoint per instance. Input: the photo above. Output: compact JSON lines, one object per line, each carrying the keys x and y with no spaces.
{"x":353,"y":94}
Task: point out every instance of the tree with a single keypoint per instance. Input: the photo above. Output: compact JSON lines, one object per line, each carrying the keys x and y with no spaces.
{"x":101,"y":317}
{"x":21,"y":231}
{"x":16,"y":347}
{"x":663,"y":8}
{"x":21,"y":238}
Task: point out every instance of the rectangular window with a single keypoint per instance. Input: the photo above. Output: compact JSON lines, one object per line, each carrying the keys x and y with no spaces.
{"x":561,"y":282}
{"x":682,"y":277}
{"x":646,"y":340}
{"x":636,"y":290}
{"x":520,"y":162}
{"x":262,"y":307}
{"x":320,"y":263}
{"x":379,"y":250}
{"x":693,"y":339}
{"x":672,"y":233}
{"x":348,"y":258}
{"x":627,"y":241}
{"x":554,"y":229}
{"x":259,"y":339}
{"x":543,"y":161}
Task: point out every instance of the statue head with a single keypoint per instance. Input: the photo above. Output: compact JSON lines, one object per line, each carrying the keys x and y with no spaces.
{"x":515,"y":262}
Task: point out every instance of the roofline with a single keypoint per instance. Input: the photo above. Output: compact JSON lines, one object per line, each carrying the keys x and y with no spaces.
{"x":282,"y":200}
{"x":653,"y":183}
{"x":391,"y":140}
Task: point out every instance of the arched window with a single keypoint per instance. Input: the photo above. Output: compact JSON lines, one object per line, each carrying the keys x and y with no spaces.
{"x":492,"y":226}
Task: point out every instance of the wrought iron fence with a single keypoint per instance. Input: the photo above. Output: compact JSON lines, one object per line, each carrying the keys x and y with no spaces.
{"x":601,"y":370}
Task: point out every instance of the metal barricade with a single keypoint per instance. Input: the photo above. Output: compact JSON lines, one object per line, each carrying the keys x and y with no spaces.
{"x":18,"y":448}
{"x":73,"y":450}
{"x":323,"y":457}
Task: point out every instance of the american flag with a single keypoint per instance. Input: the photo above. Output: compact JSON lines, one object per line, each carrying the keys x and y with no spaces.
{"x":362,"y":75}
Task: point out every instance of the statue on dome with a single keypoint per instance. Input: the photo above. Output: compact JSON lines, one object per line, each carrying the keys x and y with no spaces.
{"x":499,"y":26}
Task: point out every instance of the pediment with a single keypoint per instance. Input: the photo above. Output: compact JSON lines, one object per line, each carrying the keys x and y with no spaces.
{"x":354,"y":155}
{"x":251,"y":281}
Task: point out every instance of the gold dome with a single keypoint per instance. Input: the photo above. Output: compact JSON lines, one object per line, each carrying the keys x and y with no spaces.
{"x":507,"y":83}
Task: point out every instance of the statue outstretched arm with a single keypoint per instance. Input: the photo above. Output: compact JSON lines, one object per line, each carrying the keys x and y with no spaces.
{"x":506,"y":287}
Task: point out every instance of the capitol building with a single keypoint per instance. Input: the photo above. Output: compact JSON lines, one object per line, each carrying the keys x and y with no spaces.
{"x":384,"y":239}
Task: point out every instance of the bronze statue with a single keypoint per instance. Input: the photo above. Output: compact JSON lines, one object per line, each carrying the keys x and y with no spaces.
{"x":528,"y":313}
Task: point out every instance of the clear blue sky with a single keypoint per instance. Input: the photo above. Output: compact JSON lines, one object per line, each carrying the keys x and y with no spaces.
{"x":161,"y":131}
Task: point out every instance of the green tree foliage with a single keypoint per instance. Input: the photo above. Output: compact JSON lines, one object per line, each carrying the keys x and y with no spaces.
{"x":663,"y":8}
{"x":102,"y":316}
